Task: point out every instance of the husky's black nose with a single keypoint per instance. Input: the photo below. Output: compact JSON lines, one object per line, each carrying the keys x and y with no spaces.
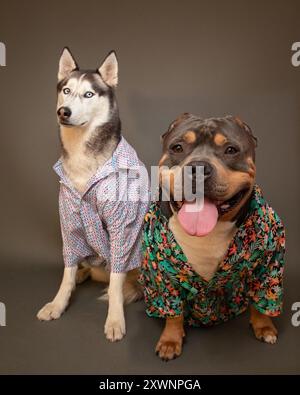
{"x":64,"y":113}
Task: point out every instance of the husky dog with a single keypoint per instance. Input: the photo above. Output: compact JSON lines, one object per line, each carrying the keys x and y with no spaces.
{"x":95,"y":228}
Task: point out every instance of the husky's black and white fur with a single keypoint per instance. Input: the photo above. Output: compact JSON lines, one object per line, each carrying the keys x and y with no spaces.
{"x":90,"y":131}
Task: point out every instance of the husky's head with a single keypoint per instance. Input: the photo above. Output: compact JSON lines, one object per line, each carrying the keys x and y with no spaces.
{"x":86,"y":97}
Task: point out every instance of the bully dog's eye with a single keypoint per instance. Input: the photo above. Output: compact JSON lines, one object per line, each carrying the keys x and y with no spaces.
{"x":177,"y":148}
{"x":66,"y":91}
{"x":88,"y":94}
{"x":231,"y":150}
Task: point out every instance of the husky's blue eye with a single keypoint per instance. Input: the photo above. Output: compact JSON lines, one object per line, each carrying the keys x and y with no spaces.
{"x":66,"y":91}
{"x":88,"y":94}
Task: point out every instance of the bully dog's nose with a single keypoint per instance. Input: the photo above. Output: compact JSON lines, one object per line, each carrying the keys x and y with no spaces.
{"x":207,"y":168}
{"x":64,"y":113}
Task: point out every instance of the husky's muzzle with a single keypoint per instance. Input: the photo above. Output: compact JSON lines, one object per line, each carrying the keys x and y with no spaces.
{"x":64,"y":114}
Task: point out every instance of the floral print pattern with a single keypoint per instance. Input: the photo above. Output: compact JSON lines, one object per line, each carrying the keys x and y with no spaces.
{"x":250,"y":272}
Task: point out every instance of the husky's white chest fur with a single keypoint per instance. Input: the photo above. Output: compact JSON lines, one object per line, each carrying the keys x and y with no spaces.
{"x":79,"y":163}
{"x":204,"y":253}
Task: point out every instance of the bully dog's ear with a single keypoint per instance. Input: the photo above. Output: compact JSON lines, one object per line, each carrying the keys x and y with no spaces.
{"x":246,"y":127}
{"x":109,"y":70}
{"x":249,"y":130}
{"x":176,"y":122}
{"x":67,"y":64}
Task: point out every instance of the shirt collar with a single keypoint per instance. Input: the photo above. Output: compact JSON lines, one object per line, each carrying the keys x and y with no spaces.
{"x":124,"y":157}
{"x":257,"y":200}
{"x":250,"y":239}
{"x":255,"y":223}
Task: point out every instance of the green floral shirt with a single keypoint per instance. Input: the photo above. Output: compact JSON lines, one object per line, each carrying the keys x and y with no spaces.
{"x":250,"y":272}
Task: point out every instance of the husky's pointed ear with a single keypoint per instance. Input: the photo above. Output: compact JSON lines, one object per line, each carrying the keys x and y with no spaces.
{"x":109,"y":70}
{"x":66,"y":64}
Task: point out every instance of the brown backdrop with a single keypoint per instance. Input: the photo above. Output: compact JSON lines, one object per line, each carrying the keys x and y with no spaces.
{"x":211,"y":58}
{"x":208,"y":57}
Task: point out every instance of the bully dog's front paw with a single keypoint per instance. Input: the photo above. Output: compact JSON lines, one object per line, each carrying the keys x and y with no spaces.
{"x":263,"y":326}
{"x":51,"y":311}
{"x":266,"y":334}
{"x":114,"y":328}
{"x":168,"y":349}
{"x":169,"y":345}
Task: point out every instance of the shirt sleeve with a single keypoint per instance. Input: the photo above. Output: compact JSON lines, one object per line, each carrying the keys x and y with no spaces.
{"x":266,"y":287}
{"x":124,"y":221}
{"x":75,"y":247}
{"x":162,"y":298}
{"x":162,"y":294}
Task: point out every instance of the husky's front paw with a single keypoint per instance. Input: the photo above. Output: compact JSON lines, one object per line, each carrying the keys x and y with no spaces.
{"x":114,"y":328}
{"x":51,"y":311}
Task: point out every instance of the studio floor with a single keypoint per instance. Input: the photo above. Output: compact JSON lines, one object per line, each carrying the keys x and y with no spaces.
{"x":75,"y":344}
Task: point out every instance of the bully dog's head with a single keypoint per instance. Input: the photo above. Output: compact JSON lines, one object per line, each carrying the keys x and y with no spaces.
{"x":86,"y":96}
{"x":225,"y":148}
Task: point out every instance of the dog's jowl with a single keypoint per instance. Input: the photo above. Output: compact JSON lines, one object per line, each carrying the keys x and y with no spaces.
{"x":203,"y":266}
{"x":98,"y":225}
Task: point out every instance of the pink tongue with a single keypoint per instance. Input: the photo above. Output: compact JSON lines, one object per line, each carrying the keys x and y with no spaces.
{"x":198,"y":222}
